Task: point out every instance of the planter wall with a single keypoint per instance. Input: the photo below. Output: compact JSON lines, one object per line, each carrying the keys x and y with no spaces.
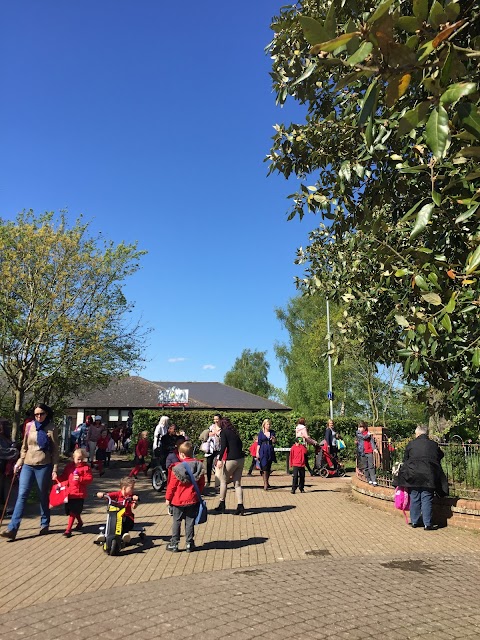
{"x":456,"y":512}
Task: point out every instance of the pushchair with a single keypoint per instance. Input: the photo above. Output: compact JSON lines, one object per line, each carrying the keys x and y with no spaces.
{"x":327,"y":464}
{"x":159,"y":473}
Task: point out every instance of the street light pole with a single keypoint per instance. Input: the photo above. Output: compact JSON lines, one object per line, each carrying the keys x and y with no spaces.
{"x":330,"y":390}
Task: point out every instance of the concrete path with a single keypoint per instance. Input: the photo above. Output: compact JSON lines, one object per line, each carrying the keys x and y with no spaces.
{"x":317,"y":564}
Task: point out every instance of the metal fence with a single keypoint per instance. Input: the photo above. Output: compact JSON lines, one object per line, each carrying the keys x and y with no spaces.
{"x":461,"y":463}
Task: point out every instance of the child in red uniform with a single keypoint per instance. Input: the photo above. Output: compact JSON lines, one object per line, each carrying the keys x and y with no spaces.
{"x":183,"y":497}
{"x":125,"y":497}
{"x":101,"y":452}
{"x":79,"y":476}
{"x":141,"y":450}
{"x":298,"y":456}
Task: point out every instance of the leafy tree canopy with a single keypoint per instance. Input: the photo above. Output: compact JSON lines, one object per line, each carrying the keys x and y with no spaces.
{"x":62,"y":309}
{"x":250,"y":373}
{"x":361,"y":389}
{"x":388,"y":156}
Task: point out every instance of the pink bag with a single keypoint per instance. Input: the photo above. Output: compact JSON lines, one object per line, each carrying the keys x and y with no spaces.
{"x":402,"y":501}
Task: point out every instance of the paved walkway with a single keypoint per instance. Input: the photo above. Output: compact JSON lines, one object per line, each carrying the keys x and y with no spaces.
{"x":319,"y":564}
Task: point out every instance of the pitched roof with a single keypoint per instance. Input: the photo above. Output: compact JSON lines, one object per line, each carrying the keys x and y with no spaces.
{"x":138,"y":393}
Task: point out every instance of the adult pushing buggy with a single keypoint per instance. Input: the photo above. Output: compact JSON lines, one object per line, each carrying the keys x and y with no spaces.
{"x":327,"y":464}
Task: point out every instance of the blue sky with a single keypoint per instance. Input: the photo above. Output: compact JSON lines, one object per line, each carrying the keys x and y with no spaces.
{"x":152,"y":120}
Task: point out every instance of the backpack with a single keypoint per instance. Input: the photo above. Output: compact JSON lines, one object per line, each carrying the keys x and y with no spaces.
{"x":402,"y":501}
{"x":203,"y":437}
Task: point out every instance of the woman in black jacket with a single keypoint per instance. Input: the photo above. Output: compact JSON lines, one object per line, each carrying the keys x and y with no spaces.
{"x":423,"y":475}
{"x":231,"y":459}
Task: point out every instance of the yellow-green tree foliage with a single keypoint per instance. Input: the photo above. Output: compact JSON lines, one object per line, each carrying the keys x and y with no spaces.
{"x":62,"y":325}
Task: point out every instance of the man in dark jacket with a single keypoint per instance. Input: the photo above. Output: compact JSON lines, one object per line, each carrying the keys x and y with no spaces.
{"x":422,"y":473}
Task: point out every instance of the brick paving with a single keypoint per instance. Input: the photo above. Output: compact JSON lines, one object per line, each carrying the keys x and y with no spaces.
{"x":318,"y":564}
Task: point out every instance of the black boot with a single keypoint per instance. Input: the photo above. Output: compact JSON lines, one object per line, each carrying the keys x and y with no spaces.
{"x":239,"y":511}
{"x":221,"y":507}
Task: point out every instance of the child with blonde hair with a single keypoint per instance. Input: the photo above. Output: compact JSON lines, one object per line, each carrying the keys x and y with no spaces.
{"x":79,"y":476}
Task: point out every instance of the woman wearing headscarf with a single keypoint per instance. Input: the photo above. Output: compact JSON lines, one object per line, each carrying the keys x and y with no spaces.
{"x":160,"y":430}
{"x":231,"y":459}
{"x":38,"y":461}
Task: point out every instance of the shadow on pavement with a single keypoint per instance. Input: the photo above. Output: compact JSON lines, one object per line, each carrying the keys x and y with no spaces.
{"x":231,"y":544}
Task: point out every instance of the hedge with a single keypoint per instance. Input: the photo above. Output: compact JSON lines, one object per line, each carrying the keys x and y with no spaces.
{"x":249,"y":424}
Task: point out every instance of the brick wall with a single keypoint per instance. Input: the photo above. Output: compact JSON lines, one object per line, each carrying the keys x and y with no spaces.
{"x":456,"y":512}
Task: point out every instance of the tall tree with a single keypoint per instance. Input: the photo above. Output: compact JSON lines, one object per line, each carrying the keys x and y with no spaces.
{"x":62,"y":309}
{"x":388,"y":155}
{"x":250,"y":373}
{"x":360,"y":388}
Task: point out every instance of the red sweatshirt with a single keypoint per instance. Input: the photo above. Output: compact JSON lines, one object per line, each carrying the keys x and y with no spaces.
{"x":102,"y":443}
{"x":182,"y":494}
{"x":141,"y":449}
{"x":122,"y":500}
{"x":78,"y":479}
{"x":297,"y":455}
{"x":367,"y":444}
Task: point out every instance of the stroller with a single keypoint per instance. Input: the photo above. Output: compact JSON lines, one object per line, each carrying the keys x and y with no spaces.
{"x":110,"y":536}
{"x":327,"y":464}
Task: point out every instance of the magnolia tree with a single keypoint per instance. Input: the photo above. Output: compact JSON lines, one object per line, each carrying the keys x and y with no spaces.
{"x":388,"y":157}
{"x":63,"y":327}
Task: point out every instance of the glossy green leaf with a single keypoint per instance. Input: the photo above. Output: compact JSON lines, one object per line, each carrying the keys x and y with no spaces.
{"x":306,"y":74}
{"x":436,"y":16}
{"x":446,"y":323}
{"x":437,"y":132}
{"x":402,"y":321}
{"x":399,"y":273}
{"x":330,"y":24}
{"x":436,"y":197}
{"x":369,"y":102}
{"x":348,"y":79}
{"x":445,"y":73}
{"x":450,"y":307}
{"x":466,"y":214}
{"x":420,"y":9}
{"x":432,"y":298}
{"x":470,"y":118}
{"x":473,"y":261}
{"x":360,"y":54}
{"x":432,"y":329}
{"x":410,"y":24}
{"x":457,"y":91}
{"x":380,"y":11}
{"x":411,"y":211}
{"x":421,"y":283}
{"x":313,"y":30}
{"x":425,"y":50}
{"x":433,"y":348}
{"x":423,"y":218}
{"x":476,"y":357}
{"x":452,"y":11}
{"x":413,"y":118}
{"x":331,"y":45}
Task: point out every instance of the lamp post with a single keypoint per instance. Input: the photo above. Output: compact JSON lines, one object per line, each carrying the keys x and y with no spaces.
{"x":330,"y":390}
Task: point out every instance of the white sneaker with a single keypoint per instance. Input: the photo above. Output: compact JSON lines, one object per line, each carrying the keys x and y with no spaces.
{"x":375,"y":484}
{"x":100,"y":539}
{"x":370,"y":482}
{"x":126,"y":538}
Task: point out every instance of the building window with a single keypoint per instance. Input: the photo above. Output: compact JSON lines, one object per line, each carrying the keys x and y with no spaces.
{"x":124,"y":415}
{"x":113,"y":415}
